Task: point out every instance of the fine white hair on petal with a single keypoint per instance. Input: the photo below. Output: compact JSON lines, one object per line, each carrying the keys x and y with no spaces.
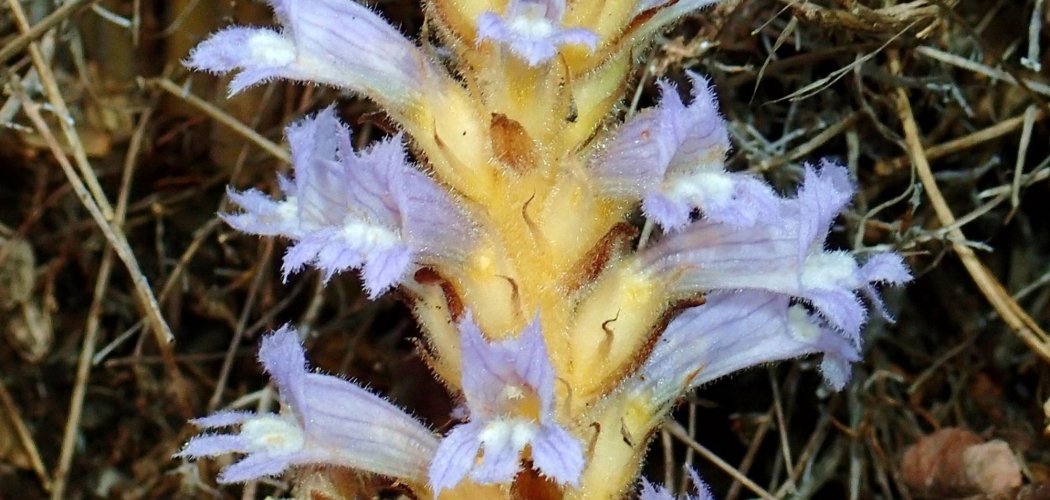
{"x":369,"y":210}
{"x":553,"y":452}
{"x":760,"y":279}
{"x":733,"y":332}
{"x":327,"y":421}
{"x":532,"y":30}
{"x":678,"y":6}
{"x":887,"y":268}
{"x":823,"y":195}
{"x":496,"y":377}
{"x":456,"y":456}
{"x":672,"y":158}
{"x":783,"y":254}
{"x":335,"y":42}
{"x":649,"y":491}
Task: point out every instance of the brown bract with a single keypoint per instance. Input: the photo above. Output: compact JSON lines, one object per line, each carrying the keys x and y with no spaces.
{"x":511,"y":143}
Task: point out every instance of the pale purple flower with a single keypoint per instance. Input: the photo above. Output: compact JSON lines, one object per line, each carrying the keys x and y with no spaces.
{"x":347,"y":210}
{"x":509,"y":392}
{"x":334,"y":42}
{"x":673,"y":158}
{"x":733,"y":332}
{"x":651,"y":492}
{"x":532,"y":30}
{"x":324,"y":421}
{"x":784,"y":254}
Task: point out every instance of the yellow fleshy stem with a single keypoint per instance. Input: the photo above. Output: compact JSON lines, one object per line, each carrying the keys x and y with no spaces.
{"x":616,"y":436}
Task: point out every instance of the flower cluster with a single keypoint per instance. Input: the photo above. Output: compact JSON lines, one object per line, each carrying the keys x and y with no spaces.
{"x":510,"y":239}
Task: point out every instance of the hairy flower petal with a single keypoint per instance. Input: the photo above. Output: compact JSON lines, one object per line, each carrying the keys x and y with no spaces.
{"x":252,"y":467}
{"x":672,"y":157}
{"x":824,"y":193}
{"x":558,"y":454}
{"x":502,"y":441}
{"x":456,"y":456}
{"x":650,"y":492}
{"x":532,"y":30}
{"x":211,"y":445}
{"x":347,"y":210}
{"x":783,"y":254}
{"x":509,"y":391}
{"x":489,"y":369}
{"x":732,"y":332}
{"x":672,"y":7}
{"x":334,"y":42}
{"x":886,"y":268}
{"x":326,"y":421}
{"x":222,"y":419}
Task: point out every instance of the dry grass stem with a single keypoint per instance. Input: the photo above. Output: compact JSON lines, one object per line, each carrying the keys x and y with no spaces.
{"x":113,"y":235}
{"x":1019,"y":321}
{"x":31,"y":33}
{"x":682,"y":434}
{"x":25,"y":438}
{"x":224,"y":118}
{"x":976,"y":67}
{"x":965,"y":142}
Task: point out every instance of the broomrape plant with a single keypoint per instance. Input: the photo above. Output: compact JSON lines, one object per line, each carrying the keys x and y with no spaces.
{"x":568,"y":341}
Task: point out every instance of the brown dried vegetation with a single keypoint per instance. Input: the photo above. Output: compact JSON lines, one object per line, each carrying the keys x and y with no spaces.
{"x":110,"y":247}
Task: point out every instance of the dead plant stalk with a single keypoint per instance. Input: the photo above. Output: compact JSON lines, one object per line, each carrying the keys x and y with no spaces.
{"x":1019,"y":321}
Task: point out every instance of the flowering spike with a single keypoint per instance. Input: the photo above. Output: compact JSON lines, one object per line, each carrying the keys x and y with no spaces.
{"x":325,"y":421}
{"x":532,"y":30}
{"x":529,"y":209}
{"x":673,"y":156}
{"x":348,"y":210}
{"x":509,"y":391}
{"x":335,"y":42}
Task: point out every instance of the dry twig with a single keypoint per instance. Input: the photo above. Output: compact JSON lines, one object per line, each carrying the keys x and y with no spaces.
{"x":1019,"y":321}
{"x":682,"y":434}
